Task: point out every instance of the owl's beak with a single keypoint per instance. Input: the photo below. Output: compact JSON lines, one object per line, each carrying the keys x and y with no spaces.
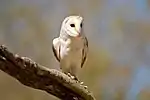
{"x":79,"y":35}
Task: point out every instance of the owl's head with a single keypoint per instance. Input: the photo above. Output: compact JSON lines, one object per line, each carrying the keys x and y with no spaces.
{"x":72,"y":26}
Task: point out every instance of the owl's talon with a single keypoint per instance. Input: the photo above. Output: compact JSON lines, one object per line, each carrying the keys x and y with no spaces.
{"x":68,"y":74}
{"x":85,"y":87}
{"x":81,"y":83}
{"x":72,"y":77}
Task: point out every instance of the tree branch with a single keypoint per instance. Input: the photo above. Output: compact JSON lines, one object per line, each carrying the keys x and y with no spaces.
{"x":36,"y":76}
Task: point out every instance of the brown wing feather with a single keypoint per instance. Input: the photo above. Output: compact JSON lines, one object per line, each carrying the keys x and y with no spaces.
{"x":55,"y":53}
{"x":84,"y":51}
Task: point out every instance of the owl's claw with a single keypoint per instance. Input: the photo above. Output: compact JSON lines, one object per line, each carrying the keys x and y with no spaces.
{"x":76,"y":79}
{"x":81,"y":83}
{"x":85,"y":87}
{"x":71,"y":76}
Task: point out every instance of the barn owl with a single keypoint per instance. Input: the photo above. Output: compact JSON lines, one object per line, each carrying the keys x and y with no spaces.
{"x":71,"y":47}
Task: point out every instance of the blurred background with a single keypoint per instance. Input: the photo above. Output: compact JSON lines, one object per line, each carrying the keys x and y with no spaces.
{"x":118,"y":66}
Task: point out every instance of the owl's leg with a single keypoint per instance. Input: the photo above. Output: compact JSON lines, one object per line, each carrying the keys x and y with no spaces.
{"x":65,"y":67}
{"x":73,"y":76}
{"x":80,"y":82}
{"x":74,"y":69}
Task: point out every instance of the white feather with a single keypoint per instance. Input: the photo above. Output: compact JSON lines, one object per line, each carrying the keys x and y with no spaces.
{"x":70,"y":49}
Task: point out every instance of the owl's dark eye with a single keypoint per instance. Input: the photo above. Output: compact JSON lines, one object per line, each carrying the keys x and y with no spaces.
{"x":81,"y":25}
{"x":72,"y":25}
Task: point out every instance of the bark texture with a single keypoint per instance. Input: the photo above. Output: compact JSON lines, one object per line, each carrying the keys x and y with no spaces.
{"x":36,"y":76}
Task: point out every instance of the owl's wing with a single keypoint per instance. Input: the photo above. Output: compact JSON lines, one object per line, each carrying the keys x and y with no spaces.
{"x":84,"y":51}
{"x":56,"y":48}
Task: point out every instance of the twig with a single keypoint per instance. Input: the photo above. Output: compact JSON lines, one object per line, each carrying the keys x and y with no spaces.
{"x":39,"y":77}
